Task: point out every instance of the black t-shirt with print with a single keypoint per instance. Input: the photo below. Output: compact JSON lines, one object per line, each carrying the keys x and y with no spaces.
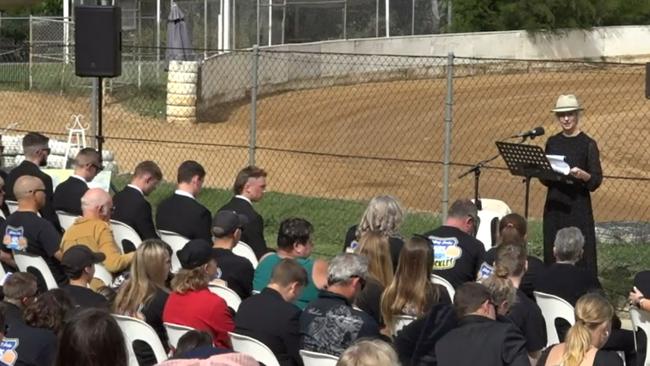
{"x":457,"y":255}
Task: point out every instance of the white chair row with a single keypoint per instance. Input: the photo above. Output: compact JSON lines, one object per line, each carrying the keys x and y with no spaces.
{"x":554,"y":307}
{"x":263,"y":354}
{"x":136,"y":330}
{"x":441,"y":281}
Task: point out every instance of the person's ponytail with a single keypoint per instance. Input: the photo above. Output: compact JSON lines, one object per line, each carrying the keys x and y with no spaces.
{"x":577,"y":343}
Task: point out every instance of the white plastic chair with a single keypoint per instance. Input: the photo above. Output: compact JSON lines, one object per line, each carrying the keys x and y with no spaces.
{"x":310,"y":358}
{"x":26,"y":260}
{"x":102,"y":274}
{"x":641,"y":319}
{"x":175,"y":332}
{"x":232,"y":299}
{"x":177,"y":242}
{"x":554,"y":307}
{"x":441,"y":281}
{"x":136,"y":330}
{"x":487,"y":229}
{"x":401,"y":321}
{"x":12,"y":205}
{"x":254,"y":348}
{"x":495,"y":205}
{"x":122,"y":231}
{"x":244,"y":250}
{"x":66,"y":219}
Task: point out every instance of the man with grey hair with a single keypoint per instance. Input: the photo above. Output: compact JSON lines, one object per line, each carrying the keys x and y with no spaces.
{"x":93,"y":230}
{"x":36,"y":150}
{"x":330,"y":324}
{"x":567,"y":249}
{"x":458,"y":255}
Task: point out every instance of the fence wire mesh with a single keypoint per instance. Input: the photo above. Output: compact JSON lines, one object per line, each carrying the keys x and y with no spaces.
{"x":334,"y":130}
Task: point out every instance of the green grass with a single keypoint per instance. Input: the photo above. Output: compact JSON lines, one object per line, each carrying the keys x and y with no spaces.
{"x":618,"y":263}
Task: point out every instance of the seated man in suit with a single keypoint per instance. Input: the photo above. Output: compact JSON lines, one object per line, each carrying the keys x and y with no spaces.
{"x":32,"y":346}
{"x":67,"y":196}
{"x":36,"y":150}
{"x":131,"y":207}
{"x":25,"y":230}
{"x":93,"y":230}
{"x":249,"y":187}
{"x":330,"y":324}
{"x":479,"y":339}
{"x":235,"y":270}
{"x":280,"y":331}
{"x":182,"y":213}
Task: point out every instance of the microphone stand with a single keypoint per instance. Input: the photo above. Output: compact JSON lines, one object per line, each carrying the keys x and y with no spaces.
{"x":476,"y":169}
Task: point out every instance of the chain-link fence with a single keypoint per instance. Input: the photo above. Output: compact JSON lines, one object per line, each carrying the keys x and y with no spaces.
{"x":334,"y":130}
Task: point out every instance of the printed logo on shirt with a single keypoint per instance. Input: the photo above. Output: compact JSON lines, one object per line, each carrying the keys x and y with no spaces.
{"x":484,"y":271}
{"x":8,"y":354}
{"x":445,"y":252}
{"x":352,"y":247}
{"x":14,"y":238}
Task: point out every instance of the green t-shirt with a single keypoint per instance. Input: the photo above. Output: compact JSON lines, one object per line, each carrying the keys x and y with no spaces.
{"x":265,"y":268}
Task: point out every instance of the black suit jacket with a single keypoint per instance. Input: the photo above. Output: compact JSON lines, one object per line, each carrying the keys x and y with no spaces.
{"x":274,"y":322}
{"x":134,"y":210}
{"x":67,"y":196}
{"x":482,"y":341}
{"x":253,"y":233}
{"x":566,"y":281}
{"x":184,"y":216}
{"x":29,"y":168}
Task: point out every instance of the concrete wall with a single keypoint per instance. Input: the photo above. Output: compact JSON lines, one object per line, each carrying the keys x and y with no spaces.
{"x":227,"y":78}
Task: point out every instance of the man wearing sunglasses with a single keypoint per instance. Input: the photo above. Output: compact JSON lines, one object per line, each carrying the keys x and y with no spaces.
{"x":36,"y":150}
{"x":457,"y":254}
{"x":67,"y":196}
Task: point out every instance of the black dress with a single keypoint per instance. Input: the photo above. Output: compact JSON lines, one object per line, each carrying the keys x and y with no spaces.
{"x":570,"y":204}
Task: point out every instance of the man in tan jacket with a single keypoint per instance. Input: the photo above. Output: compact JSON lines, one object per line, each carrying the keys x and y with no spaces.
{"x":93,"y":230}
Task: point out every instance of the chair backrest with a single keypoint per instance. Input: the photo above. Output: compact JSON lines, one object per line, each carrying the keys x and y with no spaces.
{"x":177,"y":242}
{"x":122,"y":231}
{"x":66,"y":219}
{"x":495,"y":205}
{"x":12,"y":205}
{"x":175,"y":332}
{"x":441,"y":281}
{"x":641,"y":319}
{"x":401,"y":321}
{"x":24,"y":261}
{"x":488,"y":227}
{"x":554,"y":307}
{"x":232,"y":299}
{"x":101,"y":273}
{"x":244,"y":250}
{"x":254,"y":348}
{"x":310,"y":358}
{"x":136,"y":330}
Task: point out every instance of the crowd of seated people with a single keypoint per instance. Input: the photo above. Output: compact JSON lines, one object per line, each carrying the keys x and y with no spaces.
{"x":348,"y":307}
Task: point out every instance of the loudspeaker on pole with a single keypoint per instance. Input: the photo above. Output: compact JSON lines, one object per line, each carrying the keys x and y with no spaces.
{"x":98,"y":41}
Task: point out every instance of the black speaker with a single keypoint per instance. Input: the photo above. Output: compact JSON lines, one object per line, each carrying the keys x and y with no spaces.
{"x":98,"y":41}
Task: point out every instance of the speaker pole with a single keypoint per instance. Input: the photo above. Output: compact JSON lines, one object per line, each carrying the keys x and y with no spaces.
{"x":97,"y":107}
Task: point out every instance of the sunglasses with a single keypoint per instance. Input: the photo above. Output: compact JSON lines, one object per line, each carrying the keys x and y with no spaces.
{"x":37,"y":190}
{"x":97,"y":167}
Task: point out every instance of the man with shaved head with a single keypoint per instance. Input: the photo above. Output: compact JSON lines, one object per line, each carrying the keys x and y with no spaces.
{"x":36,"y":150}
{"x":93,"y":230}
{"x":67,"y":196}
{"x":26,"y":231}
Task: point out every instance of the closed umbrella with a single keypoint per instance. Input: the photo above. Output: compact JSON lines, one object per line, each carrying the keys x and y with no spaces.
{"x":179,"y":45}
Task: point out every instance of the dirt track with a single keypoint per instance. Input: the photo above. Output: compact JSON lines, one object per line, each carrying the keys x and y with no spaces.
{"x":385,"y":121}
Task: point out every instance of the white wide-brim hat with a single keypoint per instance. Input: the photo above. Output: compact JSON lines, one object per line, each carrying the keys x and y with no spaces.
{"x":567,"y":103}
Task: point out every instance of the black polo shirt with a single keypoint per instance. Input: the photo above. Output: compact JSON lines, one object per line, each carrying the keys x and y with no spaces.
{"x":527,"y":316}
{"x":84,"y":297}
{"x":237,"y":271}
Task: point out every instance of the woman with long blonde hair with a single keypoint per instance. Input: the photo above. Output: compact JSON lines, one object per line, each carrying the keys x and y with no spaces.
{"x":374,"y":246}
{"x":144,"y":294}
{"x":581,"y":347}
{"x":411,"y":291}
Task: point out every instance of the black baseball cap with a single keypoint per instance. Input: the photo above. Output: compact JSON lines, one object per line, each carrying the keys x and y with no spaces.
{"x":195,"y":253}
{"x":226,"y":222}
{"x":80,"y":256}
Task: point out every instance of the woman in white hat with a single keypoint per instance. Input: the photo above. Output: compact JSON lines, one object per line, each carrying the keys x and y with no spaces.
{"x":569,"y":203}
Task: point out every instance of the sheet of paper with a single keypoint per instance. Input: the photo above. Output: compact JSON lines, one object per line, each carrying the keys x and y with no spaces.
{"x":558,"y":164}
{"x":102,"y":180}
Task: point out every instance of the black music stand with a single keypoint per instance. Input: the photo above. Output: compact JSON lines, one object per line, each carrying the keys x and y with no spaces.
{"x":528,"y":161}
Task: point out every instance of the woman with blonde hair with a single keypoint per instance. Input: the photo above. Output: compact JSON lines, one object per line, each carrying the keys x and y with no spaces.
{"x":411,"y":291}
{"x":374,"y":246}
{"x":581,"y":347}
{"x":503,"y":293}
{"x":191,"y":303}
{"x":143,"y":294}
{"x":369,"y":352}
{"x":385,"y":215}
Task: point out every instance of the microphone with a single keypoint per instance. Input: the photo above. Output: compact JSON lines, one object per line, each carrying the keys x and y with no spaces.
{"x":537,"y":131}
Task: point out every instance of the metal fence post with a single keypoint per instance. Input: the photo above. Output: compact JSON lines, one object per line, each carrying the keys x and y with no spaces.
{"x":31,"y":50}
{"x":253,"y":127}
{"x":449,"y":102}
